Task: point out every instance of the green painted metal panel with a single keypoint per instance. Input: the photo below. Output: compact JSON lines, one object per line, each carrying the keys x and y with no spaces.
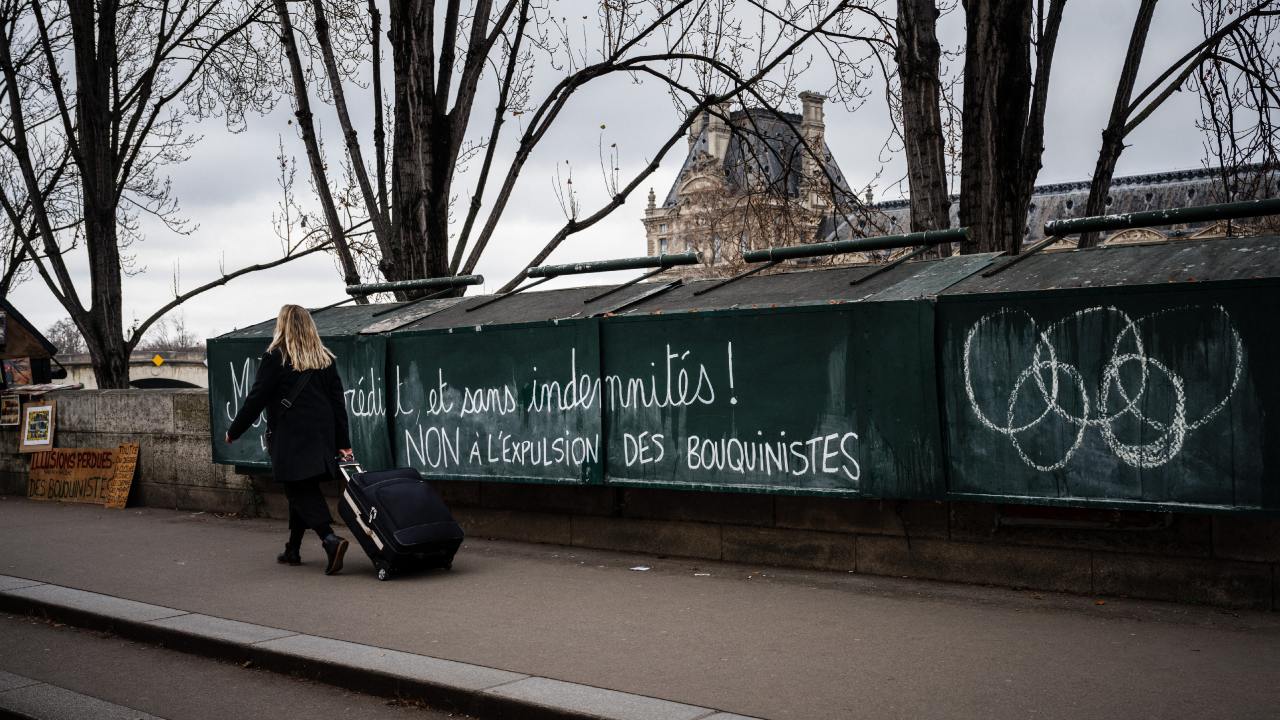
{"x":233,"y":364}
{"x":1157,"y":397}
{"x":793,"y":401}
{"x":515,"y":403}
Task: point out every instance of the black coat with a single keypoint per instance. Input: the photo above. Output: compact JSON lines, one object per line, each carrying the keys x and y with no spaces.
{"x":305,"y":439}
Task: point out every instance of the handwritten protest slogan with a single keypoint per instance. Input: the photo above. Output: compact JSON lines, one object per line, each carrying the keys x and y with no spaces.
{"x":542,"y":403}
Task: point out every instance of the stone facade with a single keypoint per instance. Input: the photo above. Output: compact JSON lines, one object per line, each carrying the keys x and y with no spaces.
{"x":747,"y":183}
{"x":1215,"y":559}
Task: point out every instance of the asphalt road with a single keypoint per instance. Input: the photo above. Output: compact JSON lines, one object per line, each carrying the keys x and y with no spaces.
{"x":175,"y":685}
{"x":756,"y":641}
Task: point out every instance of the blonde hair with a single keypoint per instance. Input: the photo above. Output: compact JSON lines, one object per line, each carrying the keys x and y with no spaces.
{"x":299,"y":341}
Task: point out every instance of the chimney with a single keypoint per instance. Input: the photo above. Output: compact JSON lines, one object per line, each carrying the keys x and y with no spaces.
{"x":812,"y":126}
{"x":811,"y":109}
{"x":718,"y":130}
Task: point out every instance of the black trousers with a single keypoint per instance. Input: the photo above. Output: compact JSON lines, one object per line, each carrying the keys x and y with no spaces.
{"x":307,"y":507}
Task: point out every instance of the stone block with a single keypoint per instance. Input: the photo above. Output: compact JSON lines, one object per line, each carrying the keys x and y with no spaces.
{"x":982,"y":563}
{"x":407,"y":666}
{"x":77,"y":410}
{"x":572,"y":700}
{"x":1246,"y":538}
{"x":693,"y":506}
{"x":13,"y":483}
{"x":458,"y":493}
{"x":973,"y":522}
{"x":790,"y":548}
{"x":917,"y":518}
{"x":1185,"y":535}
{"x":188,"y":497}
{"x":206,"y":627}
{"x":49,"y":701}
{"x":571,"y":499}
{"x":1211,"y":582}
{"x":178,"y":459}
{"x":191,"y":412}
{"x":105,"y":607}
{"x":134,"y":411}
{"x":9,"y":681}
{"x":511,"y":525}
{"x":656,"y":537}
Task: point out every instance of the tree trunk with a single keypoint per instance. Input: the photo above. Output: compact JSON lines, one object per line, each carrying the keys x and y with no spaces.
{"x":1114,"y":134}
{"x":95,"y":56}
{"x":422,"y":136}
{"x":917,"y":57}
{"x":997,"y":94}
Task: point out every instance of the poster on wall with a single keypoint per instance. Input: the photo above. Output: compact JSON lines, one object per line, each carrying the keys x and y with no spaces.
{"x":10,"y":411}
{"x":99,"y":476}
{"x":18,"y":372}
{"x":37,"y":426}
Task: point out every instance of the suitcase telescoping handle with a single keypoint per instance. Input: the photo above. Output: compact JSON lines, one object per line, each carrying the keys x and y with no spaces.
{"x":350,"y":469}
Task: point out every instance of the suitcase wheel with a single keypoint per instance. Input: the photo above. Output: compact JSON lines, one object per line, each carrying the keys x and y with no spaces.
{"x":383,"y":574}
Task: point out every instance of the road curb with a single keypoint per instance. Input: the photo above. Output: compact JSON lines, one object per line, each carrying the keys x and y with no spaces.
{"x":476,"y":690}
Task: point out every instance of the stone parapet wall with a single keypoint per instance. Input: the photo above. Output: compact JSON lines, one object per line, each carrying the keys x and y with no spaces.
{"x":1216,"y":559}
{"x":171,"y":427}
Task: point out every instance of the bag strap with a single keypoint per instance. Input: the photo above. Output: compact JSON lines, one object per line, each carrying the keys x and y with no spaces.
{"x":298,"y":385}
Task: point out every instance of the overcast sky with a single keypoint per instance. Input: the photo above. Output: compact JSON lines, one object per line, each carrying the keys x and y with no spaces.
{"x":228,"y":187}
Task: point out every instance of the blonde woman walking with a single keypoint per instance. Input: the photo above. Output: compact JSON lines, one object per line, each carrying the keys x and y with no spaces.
{"x":298,"y":386}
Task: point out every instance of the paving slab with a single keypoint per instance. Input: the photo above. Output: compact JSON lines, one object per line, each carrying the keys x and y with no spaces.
{"x":13,"y":583}
{"x":408,"y":666}
{"x":215,"y":628}
{"x":596,"y":702}
{"x":106,"y":605}
{"x":54,"y":703}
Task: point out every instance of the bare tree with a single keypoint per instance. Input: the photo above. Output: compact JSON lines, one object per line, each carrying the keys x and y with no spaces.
{"x":111,"y":86}
{"x":66,"y":337}
{"x":1235,"y":33}
{"x":1237,"y":87}
{"x":702,"y":52}
{"x":1004,"y":107}
{"x":918,"y":57}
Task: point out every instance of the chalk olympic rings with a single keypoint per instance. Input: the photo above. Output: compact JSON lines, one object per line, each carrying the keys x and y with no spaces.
{"x":1049,"y":376}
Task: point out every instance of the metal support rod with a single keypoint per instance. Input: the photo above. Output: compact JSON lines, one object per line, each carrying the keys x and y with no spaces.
{"x":836,"y":247}
{"x":636,"y":263}
{"x":1015,"y":259}
{"x":624,"y":285}
{"x":333,"y":305}
{"x":737,"y":277}
{"x":1172,"y":216}
{"x":496,"y":298}
{"x":450,"y":281}
{"x":643,"y":297}
{"x":411,"y":303}
{"x":889,"y":266}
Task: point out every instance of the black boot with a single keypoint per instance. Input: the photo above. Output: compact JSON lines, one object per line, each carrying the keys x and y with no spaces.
{"x":335,"y":547}
{"x":290,"y":556}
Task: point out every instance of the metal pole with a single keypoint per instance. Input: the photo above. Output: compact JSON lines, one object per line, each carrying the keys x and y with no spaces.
{"x":737,"y":277}
{"x":889,"y":266}
{"x":1173,"y":216}
{"x":595,"y":266}
{"x":837,"y":247}
{"x":451,"y":281}
{"x":1015,"y":259}
{"x":624,"y":285}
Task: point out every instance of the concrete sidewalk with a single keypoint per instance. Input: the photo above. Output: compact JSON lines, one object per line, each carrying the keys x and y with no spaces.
{"x":748,"y":640}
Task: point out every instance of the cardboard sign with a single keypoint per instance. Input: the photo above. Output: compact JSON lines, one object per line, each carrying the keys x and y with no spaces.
{"x":83,"y":475}
{"x":122,"y":480}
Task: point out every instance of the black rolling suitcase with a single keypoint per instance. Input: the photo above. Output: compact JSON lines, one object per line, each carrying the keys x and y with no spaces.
{"x":399,"y":520}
